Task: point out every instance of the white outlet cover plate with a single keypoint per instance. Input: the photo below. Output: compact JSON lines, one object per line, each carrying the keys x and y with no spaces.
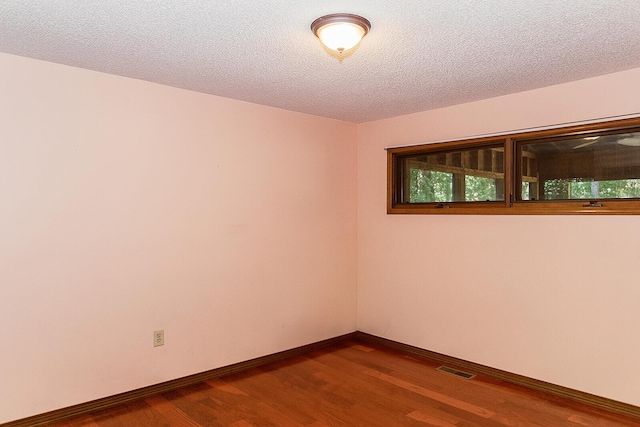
{"x":158,"y":338}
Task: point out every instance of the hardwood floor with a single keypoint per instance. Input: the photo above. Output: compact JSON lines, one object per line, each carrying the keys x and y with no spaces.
{"x":352,"y":385}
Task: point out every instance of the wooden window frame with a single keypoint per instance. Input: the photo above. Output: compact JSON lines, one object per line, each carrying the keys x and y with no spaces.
{"x":510,"y":206}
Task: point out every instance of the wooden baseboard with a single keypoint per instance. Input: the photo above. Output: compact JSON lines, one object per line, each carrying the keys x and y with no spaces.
{"x":556,"y":390}
{"x":142,"y":393}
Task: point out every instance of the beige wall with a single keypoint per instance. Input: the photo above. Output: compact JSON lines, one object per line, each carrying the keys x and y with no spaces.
{"x":127,"y":207}
{"x":555,"y":298}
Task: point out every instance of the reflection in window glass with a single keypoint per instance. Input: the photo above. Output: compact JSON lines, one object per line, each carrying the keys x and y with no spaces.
{"x":604,"y":166}
{"x":525,"y":191}
{"x":577,"y":188}
{"x":467,"y":175}
{"x":478,"y":188}
{"x":430,"y":186}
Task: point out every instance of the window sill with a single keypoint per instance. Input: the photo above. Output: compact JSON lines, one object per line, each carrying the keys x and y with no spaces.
{"x":609,"y":207}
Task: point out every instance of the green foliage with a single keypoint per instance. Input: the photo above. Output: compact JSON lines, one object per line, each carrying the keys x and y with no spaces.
{"x":556,"y":189}
{"x":477,"y":188}
{"x":525,"y":191}
{"x":433,"y":186}
{"x":578,"y":188}
{"x":430,"y":186}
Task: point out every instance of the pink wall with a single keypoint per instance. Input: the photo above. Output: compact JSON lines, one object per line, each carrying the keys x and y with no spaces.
{"x":565,"y":310}
{"x":128,"y":207}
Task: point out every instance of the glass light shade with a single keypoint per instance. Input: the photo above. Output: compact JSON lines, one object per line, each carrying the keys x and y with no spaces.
{"x":341,"y":36}
{"x":340,"y":31}
{"x":630,"y":141}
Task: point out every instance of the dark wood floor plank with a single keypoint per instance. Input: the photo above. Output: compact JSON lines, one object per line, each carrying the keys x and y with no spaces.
{"x":382,"y":406}
{"x":397,"y":399}
{"x":484,"y":391}
{"x":332,"y":394}
{"x":198,"y":410}
{"x":430,"y":420}
{"x":438,"y":397}
{"x":144,"y":414}
{"x":82,"y":421}
{"x":174,"y":415}
{"x":232,"y":406}
{"x":262,"y":386}
{"x":342,"y":392}
{"x":412,"y":369}
{"x":120,"y":416}
{"x":352,"y":384}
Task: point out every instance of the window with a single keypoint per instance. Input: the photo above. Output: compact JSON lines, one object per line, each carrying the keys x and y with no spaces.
{"x":582,"y":169}
{"x":473,"y":173}
{"x":604,"y":166}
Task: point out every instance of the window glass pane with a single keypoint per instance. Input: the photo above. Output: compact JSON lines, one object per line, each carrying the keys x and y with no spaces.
{"x":430,"y":186}
{"x":578,"y":188}
{"x":467,"y":175}
{"x":605,"y":166}
{"x":478,"y":188}
{"x":525,"y":191}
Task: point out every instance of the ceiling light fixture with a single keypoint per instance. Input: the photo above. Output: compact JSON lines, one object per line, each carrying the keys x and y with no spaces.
{"x":340,"y":31}
{"x":630,"y":141}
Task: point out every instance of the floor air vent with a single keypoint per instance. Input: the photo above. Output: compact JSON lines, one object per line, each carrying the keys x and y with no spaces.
{"x":452,"y":371}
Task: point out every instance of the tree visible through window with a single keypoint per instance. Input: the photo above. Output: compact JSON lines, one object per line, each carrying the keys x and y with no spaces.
{"x":466,"y":175}
{"x":433,"y":186}
{"x":585,"y":167}
{"x":592,"y":168}
{"x":430,"y":186}
{"x":479,"y":189}
{"x":579,"y":188}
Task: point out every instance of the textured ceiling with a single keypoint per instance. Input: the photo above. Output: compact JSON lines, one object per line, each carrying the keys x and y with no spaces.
{"x":419,"y":55}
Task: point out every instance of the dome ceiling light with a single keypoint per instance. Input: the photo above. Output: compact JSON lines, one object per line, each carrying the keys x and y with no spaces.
{"x":340,"y":31}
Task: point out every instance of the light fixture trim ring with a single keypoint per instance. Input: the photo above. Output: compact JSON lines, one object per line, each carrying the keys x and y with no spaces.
{"x":335,"y":18}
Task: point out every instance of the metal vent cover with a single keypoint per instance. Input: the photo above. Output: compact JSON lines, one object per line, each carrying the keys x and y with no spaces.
{"x":448,"y":370}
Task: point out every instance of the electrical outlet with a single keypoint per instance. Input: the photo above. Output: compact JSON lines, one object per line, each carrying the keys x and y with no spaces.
{"x":158,"y":338}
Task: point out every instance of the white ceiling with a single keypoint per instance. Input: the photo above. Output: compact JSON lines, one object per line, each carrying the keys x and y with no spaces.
{"x":419,"y":55}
